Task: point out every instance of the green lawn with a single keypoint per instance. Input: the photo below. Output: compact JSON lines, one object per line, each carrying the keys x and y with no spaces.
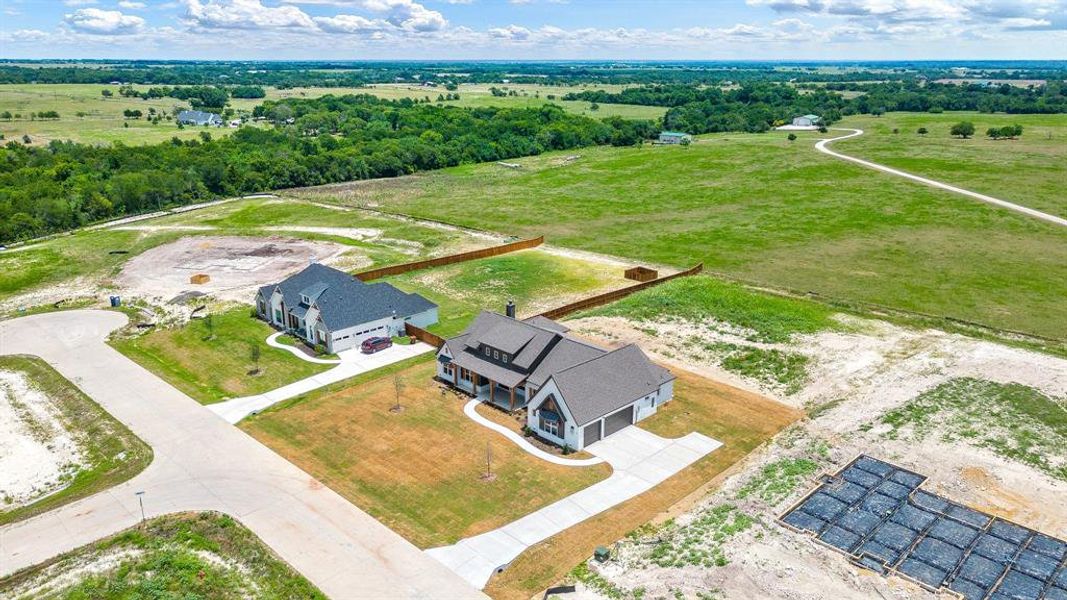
{"x":212,"y":369}
{"x":770,"y":212}
{"x":1028,"y":170}
{"x":113,"y":453}
{"x":534,"y":279}
{"x":189,"y":556}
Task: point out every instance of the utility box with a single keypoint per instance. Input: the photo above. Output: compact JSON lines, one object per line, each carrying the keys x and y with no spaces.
{"x":641,"y":274}
{"x":116,"y":301}
{"x":601,"y":554}
{"x":200,"y":278}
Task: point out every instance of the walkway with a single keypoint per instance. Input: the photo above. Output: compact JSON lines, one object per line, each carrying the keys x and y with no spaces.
{"x":471,"y":410}
{"x":202,"y":463}
{"x":821,"y":147}
{"x":272,"y":341}
{"x":640,"y":459}
{"x":352,"y":363}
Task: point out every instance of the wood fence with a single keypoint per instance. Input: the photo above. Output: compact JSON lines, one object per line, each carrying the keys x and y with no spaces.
{"x":424,"y":336}
{"x":450,"y":259}
{"x":602,"y":299}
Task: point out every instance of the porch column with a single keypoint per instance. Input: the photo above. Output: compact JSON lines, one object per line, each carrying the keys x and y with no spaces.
{"x":512,"y":400}
{"x":455,"y":374}
{"x":492,"y":391}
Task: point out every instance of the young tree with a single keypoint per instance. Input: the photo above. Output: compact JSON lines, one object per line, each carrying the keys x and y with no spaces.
{"x":963,"y":129}
{"x":792,"y":137}
{"x":594,"y":106}
{"x":209,"y":325}
{"x":253,"y":353}
{"x":106,"y":93}
{"x":398,"y":388}
{"x":922,"y":131}
{"x":993,"y":132}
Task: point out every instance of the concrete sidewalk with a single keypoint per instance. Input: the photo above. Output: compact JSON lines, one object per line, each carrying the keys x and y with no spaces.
{"x":202,"y":463}
{"x":470,"y":409}
{"x":640,"y":459}
{"x":352,"y":363}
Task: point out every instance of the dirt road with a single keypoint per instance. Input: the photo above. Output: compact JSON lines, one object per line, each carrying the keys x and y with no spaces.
{"x":821,"y":146}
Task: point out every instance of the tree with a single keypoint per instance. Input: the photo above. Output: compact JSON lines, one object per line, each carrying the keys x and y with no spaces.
{"x":253,"y":353}
{"x":594,"y":106}
{"x":993,"y":132}
{"x":922,"y":131}
{"x":792,"y":137}
{"x":209,"y":326}
{"x":963,"y":129}
{"x":26,"y":139}
{"x":398,"y":387}
{"x":106,"y":93}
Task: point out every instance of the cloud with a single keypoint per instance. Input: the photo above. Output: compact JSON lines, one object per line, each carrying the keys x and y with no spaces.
{"x":130,"y":5}
{"x":968,"y":12}
{"x":511,"y":32}
{"x":408,"y":15}
{"x":351,"y":24}
{"x":104,"y":22}
{"x":79,"y":2}
{"x":245,"y":14}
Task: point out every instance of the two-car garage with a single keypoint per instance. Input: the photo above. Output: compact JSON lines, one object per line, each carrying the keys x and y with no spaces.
{"x":602,"y":428}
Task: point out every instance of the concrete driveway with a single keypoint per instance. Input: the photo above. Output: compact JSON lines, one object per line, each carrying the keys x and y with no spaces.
{"x":640,"y":460}
{"x":352,"y":363}
{"x":202,"y":463}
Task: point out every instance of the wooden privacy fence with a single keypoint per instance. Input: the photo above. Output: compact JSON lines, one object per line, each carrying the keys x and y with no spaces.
{"x":606,"y":298}
{"x":424,"y":336}
{"x":450,"y":259}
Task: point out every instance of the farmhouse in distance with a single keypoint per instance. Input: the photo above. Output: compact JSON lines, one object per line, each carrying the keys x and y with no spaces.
{"x":199,"y":118}
{"x":322,"y":305}
{"x":575,"y":393}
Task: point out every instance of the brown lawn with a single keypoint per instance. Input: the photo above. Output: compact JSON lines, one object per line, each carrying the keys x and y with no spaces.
{"x":418,"y":470}
{"x":739,"y":419}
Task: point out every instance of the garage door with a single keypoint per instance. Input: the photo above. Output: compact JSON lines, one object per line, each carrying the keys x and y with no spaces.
{"x":592,"y":433}
{"x":617,"y":421}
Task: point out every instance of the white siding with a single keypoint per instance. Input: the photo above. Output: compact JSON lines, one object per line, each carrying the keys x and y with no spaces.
{"x":572,"y":434}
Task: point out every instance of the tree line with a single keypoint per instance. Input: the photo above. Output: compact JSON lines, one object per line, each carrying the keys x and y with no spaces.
{"x":65,"y":185}
{"x":207,"y":97}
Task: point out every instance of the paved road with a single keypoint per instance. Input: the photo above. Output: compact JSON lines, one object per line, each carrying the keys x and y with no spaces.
{"x":351,"y":363}
{"x":640,"y":461}
{"x":203,"y":463}
{"x":821,"y":146}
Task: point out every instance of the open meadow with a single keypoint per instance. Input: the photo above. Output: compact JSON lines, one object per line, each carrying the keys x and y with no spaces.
{"x":1027,"y":170}
{"x":768,"y":211}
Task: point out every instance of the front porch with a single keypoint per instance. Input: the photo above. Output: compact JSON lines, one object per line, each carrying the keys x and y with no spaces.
{"x":485,"y":389}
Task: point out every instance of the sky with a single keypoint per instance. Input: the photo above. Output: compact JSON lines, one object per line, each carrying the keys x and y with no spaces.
{"x":535,"y":29}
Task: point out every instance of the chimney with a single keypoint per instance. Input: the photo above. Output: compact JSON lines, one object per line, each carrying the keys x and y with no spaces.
{"x":509,"y":310}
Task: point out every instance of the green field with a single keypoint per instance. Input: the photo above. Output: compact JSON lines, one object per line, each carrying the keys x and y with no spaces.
{"x":1028,"y":170}
{"x":205,"y":555}
{"x":101,"y":120}
{"x":113,"y":454}
{"x":535,"y":280}
{"x":770,"y":212}
{"x":212,"y":364}
{"x":86,"y":116}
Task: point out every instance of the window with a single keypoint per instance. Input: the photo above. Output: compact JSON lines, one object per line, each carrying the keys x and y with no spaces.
{"x":496,"y":355}
{"x":487,"y":350}
{"x":504,"y":358}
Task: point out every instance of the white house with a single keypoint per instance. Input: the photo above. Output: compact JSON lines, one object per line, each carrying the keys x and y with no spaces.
{"x":674,"y":137}
{"x":322,"y":305}
{"x":574,"y":393}
{"x":199,"y":118}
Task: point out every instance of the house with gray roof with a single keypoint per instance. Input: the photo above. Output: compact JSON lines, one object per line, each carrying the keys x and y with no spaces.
{"x":322,"y":305}
{"x":574,"y":393}
{"x":199,"y":118}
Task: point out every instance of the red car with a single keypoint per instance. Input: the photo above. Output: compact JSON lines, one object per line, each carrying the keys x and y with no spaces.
{"x":374,"y":344}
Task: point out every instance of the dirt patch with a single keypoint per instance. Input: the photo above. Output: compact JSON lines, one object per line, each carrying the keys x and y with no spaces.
{"x":38,"y":455}
{"x":236,"y":265}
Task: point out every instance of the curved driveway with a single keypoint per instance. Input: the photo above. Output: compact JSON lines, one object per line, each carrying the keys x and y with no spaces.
{"x":203,"y":463}
{"x":821,"y":146}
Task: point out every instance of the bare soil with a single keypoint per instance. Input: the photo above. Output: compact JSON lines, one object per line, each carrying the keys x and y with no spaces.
{"x":236,"y":265}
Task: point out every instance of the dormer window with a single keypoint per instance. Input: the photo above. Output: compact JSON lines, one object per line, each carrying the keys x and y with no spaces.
{"x":504,"y":358}
{"x":305,"y":300}
{"x":487,"y":351}
{"x":496,"y":355}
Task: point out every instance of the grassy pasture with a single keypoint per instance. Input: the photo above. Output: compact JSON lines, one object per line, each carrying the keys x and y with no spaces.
{"x":1028,"y":170}
{"x":534,"y":279}
{"x":770,"y":212}
{"x":742,"y":421}
{"x":102,"y":122}
{"x":113,"y":453}
{"x":188,"y":555}
{"x":419,"y":470}
{"x":212,"y":369}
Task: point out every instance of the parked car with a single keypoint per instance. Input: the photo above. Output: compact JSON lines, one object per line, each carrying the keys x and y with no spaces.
{"x":375,"y":344}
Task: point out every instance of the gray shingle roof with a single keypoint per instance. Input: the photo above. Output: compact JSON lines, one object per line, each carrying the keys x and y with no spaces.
{"x":498,"y":329}
{"x":566,"y":353}
{"x":199,"y":117}
{"x":605,"y":384}
{"x":345,"y":301}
